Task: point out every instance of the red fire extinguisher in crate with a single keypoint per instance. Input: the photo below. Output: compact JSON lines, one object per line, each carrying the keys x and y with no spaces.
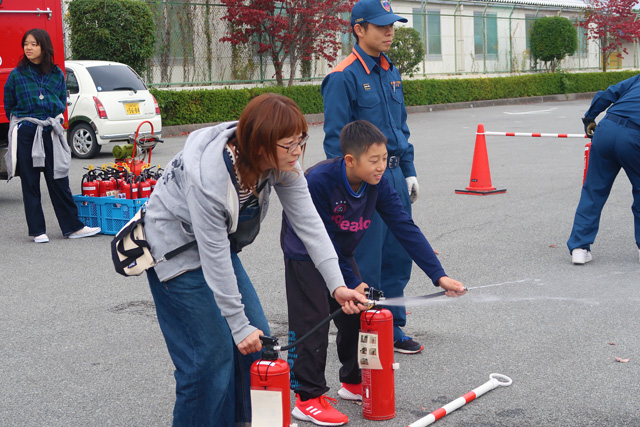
{"x":270,"y":375}
{"x":145,"y":186}
{"x":378,"y":382}
{"x":90,"y":183}
{"x":129,"y":187}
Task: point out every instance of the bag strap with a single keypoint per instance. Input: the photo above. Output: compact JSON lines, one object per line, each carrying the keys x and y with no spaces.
{"x":134,"y":253}
{"x":178,"y":250}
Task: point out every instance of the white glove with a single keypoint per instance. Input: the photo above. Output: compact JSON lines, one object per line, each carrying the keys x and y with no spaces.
{"x":413,"y":187}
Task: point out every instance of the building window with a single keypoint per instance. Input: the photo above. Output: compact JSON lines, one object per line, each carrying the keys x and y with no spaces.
{"x":428,"y":25}
{"x":583,"y":42}
{"x":485,"y":34}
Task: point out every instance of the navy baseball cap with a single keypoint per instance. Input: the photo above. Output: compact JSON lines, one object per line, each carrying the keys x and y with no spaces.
{"x":377,"y":12}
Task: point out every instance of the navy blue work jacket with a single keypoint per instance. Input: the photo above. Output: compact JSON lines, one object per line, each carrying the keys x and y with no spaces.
{"x":625,"y":97}
{"x":359,"y":88}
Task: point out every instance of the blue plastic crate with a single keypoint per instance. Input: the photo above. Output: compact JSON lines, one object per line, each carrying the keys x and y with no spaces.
{"x":88,"y":210}
{"x":108,"y":213}
{"x":115,"y":213}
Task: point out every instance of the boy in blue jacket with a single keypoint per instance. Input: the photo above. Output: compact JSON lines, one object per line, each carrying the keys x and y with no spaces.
{"x":346,"y":192}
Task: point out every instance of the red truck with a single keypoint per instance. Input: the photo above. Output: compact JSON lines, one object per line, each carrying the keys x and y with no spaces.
{"x":16,"y":17}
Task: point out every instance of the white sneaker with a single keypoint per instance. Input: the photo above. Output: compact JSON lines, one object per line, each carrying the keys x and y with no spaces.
{"x":43,"y":238}
{"x":638,"y":254}
{"x":84,"y":232}
{"x":580,"y":256}
{"x":350,"y":391}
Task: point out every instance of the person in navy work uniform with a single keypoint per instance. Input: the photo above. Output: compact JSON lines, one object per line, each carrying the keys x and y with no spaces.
{"x":346,"y":192}
{"x":616,"y":144}
{"x":367,"y":86}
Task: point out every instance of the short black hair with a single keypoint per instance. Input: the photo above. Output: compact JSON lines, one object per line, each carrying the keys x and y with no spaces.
{"x":364,"y":25}
{"x":356,"y":137}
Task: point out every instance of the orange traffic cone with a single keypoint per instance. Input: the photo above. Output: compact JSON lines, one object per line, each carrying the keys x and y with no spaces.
{"x":480,"y":183}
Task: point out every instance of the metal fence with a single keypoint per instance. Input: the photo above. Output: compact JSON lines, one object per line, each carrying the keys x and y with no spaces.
{"x":471,"y":39}
{"x":189,"y":50}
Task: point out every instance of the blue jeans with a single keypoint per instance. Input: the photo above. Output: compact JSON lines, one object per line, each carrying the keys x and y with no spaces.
{"x":614,"y":147}
{"x":212,"y":376}
{"x":61,"y":198}
{"x":381,"y":259}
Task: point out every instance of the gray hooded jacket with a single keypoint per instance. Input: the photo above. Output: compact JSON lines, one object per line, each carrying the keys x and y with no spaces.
{"x":196,"y":199}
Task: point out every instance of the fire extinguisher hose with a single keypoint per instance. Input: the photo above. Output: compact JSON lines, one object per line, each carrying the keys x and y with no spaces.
{"x":308,"y":334}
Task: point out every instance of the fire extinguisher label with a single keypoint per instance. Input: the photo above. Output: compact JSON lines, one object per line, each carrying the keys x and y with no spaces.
{"x":368,"y":353}
{"x":266,"y":408}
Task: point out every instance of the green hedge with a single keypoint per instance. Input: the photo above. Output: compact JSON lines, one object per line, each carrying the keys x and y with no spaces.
{"x":217,"y":105}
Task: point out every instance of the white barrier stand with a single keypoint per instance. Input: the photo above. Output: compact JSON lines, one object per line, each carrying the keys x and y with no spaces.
{"x":495,"y":380}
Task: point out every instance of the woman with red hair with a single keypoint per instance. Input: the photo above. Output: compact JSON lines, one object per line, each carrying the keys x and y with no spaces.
{"x":216,"y":192}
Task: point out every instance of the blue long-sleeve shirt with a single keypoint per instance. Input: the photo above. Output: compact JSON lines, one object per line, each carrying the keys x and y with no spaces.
{"x":359,"y":88}
{"x":625,"y":97}
{"x":347,"y":215}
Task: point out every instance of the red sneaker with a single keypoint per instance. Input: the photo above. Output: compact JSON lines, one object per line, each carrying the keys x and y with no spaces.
{"x":319,"y":411}
{"x":350,"y":391}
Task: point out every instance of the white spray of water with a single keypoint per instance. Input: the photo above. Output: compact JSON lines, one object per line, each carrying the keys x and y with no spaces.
{"x":500,"y":284}
{"x":430,"y":299}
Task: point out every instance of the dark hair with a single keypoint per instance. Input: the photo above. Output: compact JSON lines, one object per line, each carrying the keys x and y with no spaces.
{"x":44,"y":41}
{"x":356,"y":137}
{"x":364,"y":25}
{"x":265,"y":120}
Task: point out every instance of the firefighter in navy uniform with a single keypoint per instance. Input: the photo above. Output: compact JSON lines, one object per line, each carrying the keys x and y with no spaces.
{"x":616,"y":144}
{"x":367,"y":86}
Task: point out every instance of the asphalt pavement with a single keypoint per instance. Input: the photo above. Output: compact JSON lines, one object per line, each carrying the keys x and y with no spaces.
{"x":80,"y":345}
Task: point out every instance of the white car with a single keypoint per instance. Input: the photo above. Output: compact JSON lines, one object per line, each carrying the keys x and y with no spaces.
{"x":107,"y":102}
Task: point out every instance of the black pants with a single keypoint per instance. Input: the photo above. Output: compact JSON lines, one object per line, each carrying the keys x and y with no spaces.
{"x":309,"y":303}
{"x":59,"y":191}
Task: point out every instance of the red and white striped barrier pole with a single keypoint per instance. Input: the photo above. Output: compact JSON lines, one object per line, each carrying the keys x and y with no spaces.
{"x":539,"y":135}
{"x":494,"y":381}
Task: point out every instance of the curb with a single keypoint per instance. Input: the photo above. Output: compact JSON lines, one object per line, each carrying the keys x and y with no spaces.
{"x":178,"y":130}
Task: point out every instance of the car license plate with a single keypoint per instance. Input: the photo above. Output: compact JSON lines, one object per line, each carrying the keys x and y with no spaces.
{"x":132,"y":108}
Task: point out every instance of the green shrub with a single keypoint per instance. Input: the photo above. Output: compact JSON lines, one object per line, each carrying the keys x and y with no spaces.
{"x":553,"y":38}
{"x":407,"y":50}
{"x":217,"y":105}
{"x":114,"y":30}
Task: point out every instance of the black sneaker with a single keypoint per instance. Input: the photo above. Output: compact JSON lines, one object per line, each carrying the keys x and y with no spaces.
{"x":407,"y":345}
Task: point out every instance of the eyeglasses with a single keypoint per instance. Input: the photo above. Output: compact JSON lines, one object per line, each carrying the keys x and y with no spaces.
{"x":301,"y":142}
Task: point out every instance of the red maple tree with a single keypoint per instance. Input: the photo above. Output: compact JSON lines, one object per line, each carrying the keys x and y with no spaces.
{"x":293,"y":30}
{"x":611,"y":23}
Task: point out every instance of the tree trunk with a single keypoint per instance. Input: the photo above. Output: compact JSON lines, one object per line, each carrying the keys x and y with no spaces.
{"x":277,"y":64}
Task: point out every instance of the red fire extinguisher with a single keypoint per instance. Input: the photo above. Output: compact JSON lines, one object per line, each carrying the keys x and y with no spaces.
{"x":145,"y":187}
{"x":103,"y":187}
{"x":89,"y":184}
{"x":378,"y":385}
{"x":587,"y":149}
{"x":271,"y":375}
{"x":129,"y":188}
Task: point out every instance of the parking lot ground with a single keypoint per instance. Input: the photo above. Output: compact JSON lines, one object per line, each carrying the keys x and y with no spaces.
{"x":81,"y":345}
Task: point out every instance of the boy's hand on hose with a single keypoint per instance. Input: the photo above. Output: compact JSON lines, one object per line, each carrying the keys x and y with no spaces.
{"x":347,"y":299}
{"x":251,"y":343}
{"x":362,"y":288}
{"x":452,"y":287}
